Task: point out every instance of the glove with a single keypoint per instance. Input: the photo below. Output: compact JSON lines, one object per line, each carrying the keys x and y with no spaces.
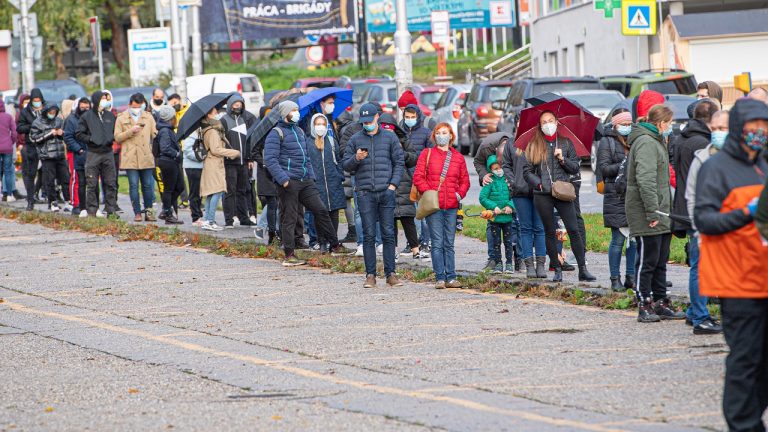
{"x":752,"y":207}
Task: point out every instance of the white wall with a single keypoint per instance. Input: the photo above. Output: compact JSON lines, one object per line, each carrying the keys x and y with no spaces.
{"x":720,"y":59}
{"x":606,"y":51}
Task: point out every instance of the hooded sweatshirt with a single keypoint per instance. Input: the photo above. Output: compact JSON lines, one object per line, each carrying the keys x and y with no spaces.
{"x":7,"y":131}
{"x":97,"y":128}
{"x":29,"y":114}
{"x":70,"y":129}
{"x":235,"y":128}
{"x":418,"y":136}
{"x":731,"y":249}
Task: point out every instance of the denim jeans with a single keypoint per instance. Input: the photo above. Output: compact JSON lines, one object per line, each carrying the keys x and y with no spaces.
{"x":9,"y":174}
{"x":531,"y":228}
{"x":698,"y":311}
{"x":359,"y":225}
{"x":309,"y":226}
{"x":210,"y":206}
{"x":378,"y":208}
{"x":147,"y":188}
{"x":614,"y":254}
{"x":506,"y":234}
{"x":442,"y":232}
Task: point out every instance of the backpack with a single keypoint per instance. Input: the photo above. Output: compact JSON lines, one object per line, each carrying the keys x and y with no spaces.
{"x":599,"y":180}
{"x":198,"y":148}
{"x":621,"y":179}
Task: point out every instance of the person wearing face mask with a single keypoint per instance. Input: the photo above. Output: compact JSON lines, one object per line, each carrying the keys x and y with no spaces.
{"x":419,"y":140}
{"x":158,"y":99}
{"x":494,"y":196}
{"x":213,"y":182}
{"x":77,"y":149}
{"x":325,"y":107}
{"x":7,"y":153}
{"x":648,"y":193}
{"x":174,"y":100}
{"x":553,"y":158}
{"x":697,"y":314}
{"x":96,"y":129}
{"x":611,"y":153}
{"x":733,"y":256}
{"x":169,"y":158}
{"x":286,"y":158}
{"x":375,"y":159}
{"x":236,"y":123}
{"x":135,"y":130}
{"x":326,"y":162}
{"x":47,"y":135}
{"x":444,"y":170}
{"x":30,"y":160}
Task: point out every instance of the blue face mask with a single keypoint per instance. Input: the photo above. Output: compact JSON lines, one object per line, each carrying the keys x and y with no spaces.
{"x":410,"y":122}
{"x":667,"y":133}
{"x":718,"y":139}
{"x":369,"y":127}
{"x":37,"y":104}
{"x":624,"y":130}
{"x":51,"y":116}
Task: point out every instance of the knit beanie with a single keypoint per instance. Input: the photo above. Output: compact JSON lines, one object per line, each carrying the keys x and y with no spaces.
{"x":166,"y":113}
{"x":285,"y":108}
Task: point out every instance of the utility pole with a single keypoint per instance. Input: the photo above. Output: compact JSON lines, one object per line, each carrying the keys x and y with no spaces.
{"x":177,"y":53}
{"x":403,"y":64}
{"x":27,"y":61}
{"x":197,"y":48}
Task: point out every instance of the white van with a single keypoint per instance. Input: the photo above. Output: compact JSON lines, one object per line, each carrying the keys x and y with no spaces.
{"x":247,"y":85}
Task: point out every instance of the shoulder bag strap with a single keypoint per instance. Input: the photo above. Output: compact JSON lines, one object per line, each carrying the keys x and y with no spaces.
{"x":446,"y":165}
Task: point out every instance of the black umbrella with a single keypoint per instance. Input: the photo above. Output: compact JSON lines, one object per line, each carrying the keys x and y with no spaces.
{"x":196,"y":112}
{"x":269,"y":95}
{"x":676,"y":217}
{"x":259,"y":130}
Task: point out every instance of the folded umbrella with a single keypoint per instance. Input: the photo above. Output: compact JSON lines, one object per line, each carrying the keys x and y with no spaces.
{"x":574,"y":122}
{"x":312,"y":100}
{"x":196,"y":112}
{"x":676,"y":217}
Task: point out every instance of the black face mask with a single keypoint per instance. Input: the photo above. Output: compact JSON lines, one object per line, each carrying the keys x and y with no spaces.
{"x":157,"y":101}
{"x":237,"y":111}
{"x":177,"y":107}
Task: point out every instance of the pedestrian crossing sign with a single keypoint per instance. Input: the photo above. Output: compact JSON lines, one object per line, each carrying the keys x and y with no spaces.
{"x":638,"y":17}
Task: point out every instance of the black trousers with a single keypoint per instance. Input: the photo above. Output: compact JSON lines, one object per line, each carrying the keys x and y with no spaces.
{"x":271,"y":203}
{"x":195,"y":202}
{"x":302,"y":193}
{"x":117,"y":170}
{"x":745,"y":397}
{"x":334,"y":215}
{"x":81,"y":188}
{"x":651,"y":265}
{"x":100,"y":165}
{"x":545,"y":206}
{"x":409,"y":227}
{"x":579,"y":219}
{"x":29,"y":164}
{"x":55,"y":170}
{"x":234,"y":199}
{"x":174,"y":184}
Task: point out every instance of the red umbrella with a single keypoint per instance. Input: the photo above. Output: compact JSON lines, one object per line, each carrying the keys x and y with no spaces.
{"x":573,"y":122}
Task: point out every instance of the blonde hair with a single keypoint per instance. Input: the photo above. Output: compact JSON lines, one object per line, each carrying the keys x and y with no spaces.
{"x":659,"y":114}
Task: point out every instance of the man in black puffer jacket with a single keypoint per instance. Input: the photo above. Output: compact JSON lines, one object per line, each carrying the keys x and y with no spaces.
{"x":47,"y":135}
{"x":236,"y":123}
{"x":97,"y":130}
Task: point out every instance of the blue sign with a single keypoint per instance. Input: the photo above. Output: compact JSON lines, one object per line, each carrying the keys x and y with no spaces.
{"x":639,"y":17}
{"x":380,"y":14}
{"x":146,"y":46}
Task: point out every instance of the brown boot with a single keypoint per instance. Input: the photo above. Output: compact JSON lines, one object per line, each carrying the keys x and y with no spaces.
{"x":370,"y":281}
{"x":392,"y":280}
{"x":149,"y":216}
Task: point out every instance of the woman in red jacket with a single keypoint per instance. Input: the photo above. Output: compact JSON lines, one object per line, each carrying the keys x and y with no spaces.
{"x":442,"y":168}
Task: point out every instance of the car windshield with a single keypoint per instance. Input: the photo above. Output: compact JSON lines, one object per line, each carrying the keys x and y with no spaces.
{"x":494,"y":93}
{"x":606,"y":100}
{"x":358,"y":90}
{"x":319,"y":84}
{"x":683,"y":86}
{"x":430,"y":99}
{"x":564,"y":86}
{"x":58,"y":92}
{"x":679,"y":106}
{"x":392,"y":94}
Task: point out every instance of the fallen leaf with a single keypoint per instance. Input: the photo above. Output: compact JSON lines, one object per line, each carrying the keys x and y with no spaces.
{"x":276,"y":417}
{"x":133,"y":390}
{"x":48,"y":409}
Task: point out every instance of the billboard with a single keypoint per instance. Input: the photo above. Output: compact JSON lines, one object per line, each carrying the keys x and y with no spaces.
{"x":236,"y":20}
{"x":149,"y":54}
{"x":380,"y":14}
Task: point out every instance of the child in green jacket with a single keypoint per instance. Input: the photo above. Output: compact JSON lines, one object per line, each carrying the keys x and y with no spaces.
{"x":495,"y":197}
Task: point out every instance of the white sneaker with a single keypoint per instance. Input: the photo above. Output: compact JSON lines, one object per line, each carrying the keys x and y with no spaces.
{"x":359,"y":251}
{"x":235,"y":221}
{"x":380,"y":249}
{"x":54,"y":208}
{"x":83,"y":214}
{"x":253,"y":220}
{"x":100,"y":214}
{"x":67,"y":208}
{"x":211,"y":226}
{"x":10,"y":198}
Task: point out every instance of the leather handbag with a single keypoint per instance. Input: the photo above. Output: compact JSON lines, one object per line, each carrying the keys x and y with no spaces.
{"x":430,"y":200}
{"x":415,"y":195}
{"x":560,"y":190}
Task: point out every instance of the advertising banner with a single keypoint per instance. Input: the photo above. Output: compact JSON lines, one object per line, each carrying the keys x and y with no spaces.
{"x":149,"y":53}
{"x":235,"y":20}
{"x":380,"y":14}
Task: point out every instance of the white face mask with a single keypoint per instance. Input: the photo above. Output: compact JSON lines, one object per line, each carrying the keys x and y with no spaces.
{"x":498,"y":172}
{"x":136,"y":112}
{"x":321,"y":130}
{"x":549,"y":129}
{"x":295,"y":116}
{"x":218,"y":116}
{"x":329,"y":108}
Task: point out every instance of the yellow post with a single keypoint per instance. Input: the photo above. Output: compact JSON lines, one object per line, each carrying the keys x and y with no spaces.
{"x":743,"y":82}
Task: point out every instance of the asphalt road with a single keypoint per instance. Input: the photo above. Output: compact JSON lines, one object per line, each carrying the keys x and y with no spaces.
{"x":105,"y":335}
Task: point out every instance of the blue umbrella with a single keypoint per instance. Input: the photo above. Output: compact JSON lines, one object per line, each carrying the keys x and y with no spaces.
{"x":313,"y":98}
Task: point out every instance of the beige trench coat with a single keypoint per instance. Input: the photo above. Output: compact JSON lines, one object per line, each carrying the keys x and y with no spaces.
{"x":136,"y":152}
{"x":213,"y":179}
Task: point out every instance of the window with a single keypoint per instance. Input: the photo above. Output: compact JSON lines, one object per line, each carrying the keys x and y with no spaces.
{"x":494,"y":93}
{"x":516,"y":95}
{"x":392,"y":94}
{"x":475,"y":95}
{"x":249,"y":84}
{"x":580,"y":60}
{"x":622,"y":88}
{"x":565,"y":61}
{"x":553,"y":69}
{"x":676,"y":86}
{"x":375,"y":94}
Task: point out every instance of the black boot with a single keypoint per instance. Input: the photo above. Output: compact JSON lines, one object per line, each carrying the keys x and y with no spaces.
{"x":629,"y":282}
{"x":18,"y":195}
{"x":271,"y":238}
{"x":558,"y":275}
{"x":616,"y":284}
{"x":30,"y":205}
{"x":585,"y":275}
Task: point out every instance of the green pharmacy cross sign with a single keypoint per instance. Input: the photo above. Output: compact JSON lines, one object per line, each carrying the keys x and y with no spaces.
{"x":607,"y":6}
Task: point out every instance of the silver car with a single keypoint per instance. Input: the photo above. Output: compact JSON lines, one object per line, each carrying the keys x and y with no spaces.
{"x":448,"y":107}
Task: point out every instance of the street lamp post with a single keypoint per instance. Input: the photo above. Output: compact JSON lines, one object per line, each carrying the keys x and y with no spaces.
{"x":27,"y":61}
{"x":197,"y":52}
{"x":403,"y":65}
{"x":177,"y":53}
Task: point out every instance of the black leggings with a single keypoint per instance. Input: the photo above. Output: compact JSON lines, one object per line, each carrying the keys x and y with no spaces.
{"x":55,"y":171}
{"x":334,"y":214}
{"x":409,"y":227}
{"x":174,"y":184}
{"x":545,"y":206}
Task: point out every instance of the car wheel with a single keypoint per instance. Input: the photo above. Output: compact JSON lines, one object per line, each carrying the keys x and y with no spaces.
{"x":593,"y":155}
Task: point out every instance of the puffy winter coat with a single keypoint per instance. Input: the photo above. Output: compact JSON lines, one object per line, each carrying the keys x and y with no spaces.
{"x":347,"y":128}
{"x":49,"y":146}
{"x":384,"y":164}
{"x":235,"y":128}
{"x":97,"y":128}
{"x":7,"y":131}
{"x":135,"y":150}
{"x":484,"y":152}
{"x":213,"y":179}
{"x":514,"y":163}
{"x":541,"y":176}
{"x":610,"y":154}
{"x":647,"y":182}
{"x":418,"y":136}
{"x":405,"y":207}
{"x":426,"y":176}
{"x":167,"y":142}
{"x":28,"y":115}
{"x":286,"y":158}
{"x":77,"y":148}
{"x":328,"y":171}
{"x":694,"y":137}
{"x":496,"y":194}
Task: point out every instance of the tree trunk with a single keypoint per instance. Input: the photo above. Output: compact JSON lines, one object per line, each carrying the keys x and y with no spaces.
{"x":119,"y":48}
{"x":61,"y":70}
{"x":135,"y":19}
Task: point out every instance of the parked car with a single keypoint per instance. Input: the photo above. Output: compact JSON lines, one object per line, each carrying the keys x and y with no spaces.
{"x":448,"y":107}
{"x":121,"y":96}
{"x":247,"y":85}
{"x":56,"y":91}
{"x":478,"y":118}
{"x":385,"y":94}
{"x":430,"y":94}
{"x":317,"y":82}
{"x":529,"y":87}
{"x":667,"y":82}
{"x":360,"y":86}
